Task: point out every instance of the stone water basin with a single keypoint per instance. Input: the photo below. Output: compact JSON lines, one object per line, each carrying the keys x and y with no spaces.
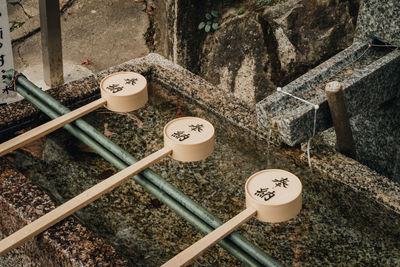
{"x":337,"y":225}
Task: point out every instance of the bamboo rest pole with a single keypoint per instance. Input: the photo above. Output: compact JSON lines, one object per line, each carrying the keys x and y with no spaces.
{"x":195,"y":250}
{"x":49,"y":127}
{"x":197,"y":222}
{"x":79,"y":202}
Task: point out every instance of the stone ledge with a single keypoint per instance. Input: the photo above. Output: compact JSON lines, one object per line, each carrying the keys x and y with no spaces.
{"x":186,"y":83}
{"x":360,"y":178}
{"x":68,"y":243}
{"x":154,"y":67}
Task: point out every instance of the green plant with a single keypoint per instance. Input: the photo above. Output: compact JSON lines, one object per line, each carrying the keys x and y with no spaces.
{"x":15,"y":25}
{"x":211,"y":22}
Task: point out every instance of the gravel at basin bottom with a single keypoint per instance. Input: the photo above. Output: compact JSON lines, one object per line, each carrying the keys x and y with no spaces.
{"x":335,"y":227}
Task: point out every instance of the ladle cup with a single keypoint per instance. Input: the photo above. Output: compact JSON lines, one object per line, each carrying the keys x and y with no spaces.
{"x":120,"y":92}
{"x":185,"y":139}
{"x":271,"y":196}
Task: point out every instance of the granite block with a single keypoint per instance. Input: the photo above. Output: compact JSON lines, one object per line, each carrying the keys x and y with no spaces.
{"x":327,"y":161}
{"x":366,"y":88}
{"x":277,"y":104}
{"x":381,"y":20}
{"x":377,"y":139}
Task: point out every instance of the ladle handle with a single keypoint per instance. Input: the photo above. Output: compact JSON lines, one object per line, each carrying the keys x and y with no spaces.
{"x":79,"y":202}
{"x":195,"y":250}
{"x":49,"y":127}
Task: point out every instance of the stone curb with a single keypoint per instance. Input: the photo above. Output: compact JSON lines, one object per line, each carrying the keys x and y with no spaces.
{"x":22,"y":202}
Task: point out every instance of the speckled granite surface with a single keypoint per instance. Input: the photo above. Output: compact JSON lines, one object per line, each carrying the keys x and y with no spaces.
{"x":277,"y":105}
{"x":380,"y":19}
{"x":66,"y":244}
{"x":350,"y":214}
{"x":377,"y":137}
{"x":366,"y":85}
{"x":358,"y":177}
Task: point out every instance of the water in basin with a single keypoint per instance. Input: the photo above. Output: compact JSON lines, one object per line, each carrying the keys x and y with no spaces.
{"x":336,"y":226}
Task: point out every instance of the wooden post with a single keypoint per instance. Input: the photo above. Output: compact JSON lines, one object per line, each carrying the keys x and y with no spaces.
{"x":344,"y":137}
{"x":50,"y":28}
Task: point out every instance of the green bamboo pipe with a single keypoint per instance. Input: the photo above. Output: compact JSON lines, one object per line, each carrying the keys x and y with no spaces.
{"x":152,"y":189}
{"x":195,"y":208}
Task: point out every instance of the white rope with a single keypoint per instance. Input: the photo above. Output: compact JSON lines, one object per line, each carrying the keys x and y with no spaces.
{"x":316,"y":107}
{"x":279,"y":89}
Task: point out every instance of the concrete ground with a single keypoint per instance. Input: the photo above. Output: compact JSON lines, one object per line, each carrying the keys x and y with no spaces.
{"x":101,"y":33}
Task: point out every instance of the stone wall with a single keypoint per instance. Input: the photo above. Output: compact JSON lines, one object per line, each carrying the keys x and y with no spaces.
{"x":176,"y":24}
{"x":256,"y":49}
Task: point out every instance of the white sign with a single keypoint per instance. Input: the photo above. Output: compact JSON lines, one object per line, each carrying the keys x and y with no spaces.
{"x":6,"y":56}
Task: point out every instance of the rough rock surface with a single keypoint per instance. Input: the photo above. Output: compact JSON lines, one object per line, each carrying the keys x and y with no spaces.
{"x":253,"y":53}
{"x":235,"y":57}
{"x":308,"y":32}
